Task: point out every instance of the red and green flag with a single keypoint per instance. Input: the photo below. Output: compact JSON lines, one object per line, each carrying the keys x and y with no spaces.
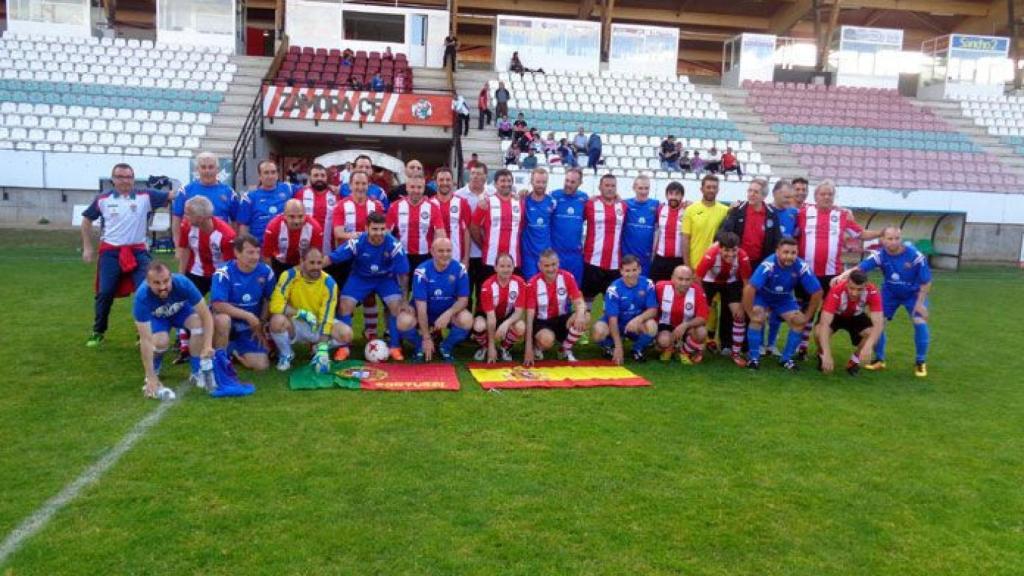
{"x":360,"y":375}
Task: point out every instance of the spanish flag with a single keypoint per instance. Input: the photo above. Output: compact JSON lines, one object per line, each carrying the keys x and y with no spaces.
{"x":555,"y":374}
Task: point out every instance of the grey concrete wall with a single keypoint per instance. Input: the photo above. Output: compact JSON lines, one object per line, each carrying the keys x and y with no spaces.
{"x":27,"y":206}
{"x":992,"y":243}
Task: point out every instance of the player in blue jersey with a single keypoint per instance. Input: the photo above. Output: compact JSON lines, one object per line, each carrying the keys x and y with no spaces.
{"x":536,"y":235}
{"x":440,"y":291}
{"x":380,"y":267}
{"x":365,"y":165}
{"x":630,"y":307}
{"x":640,"y":224}
{"x":259,"y":206}
{"x":785,"y":211}
{"x":162,"y":302}
{"x":770,"y":291}
{"x":223,"y":198}
{"x":567,"y":223}
{"x":239,"y":297}
{"x":907,"y":282}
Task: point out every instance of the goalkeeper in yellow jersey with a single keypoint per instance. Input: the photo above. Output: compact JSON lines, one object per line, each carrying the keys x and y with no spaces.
{"x":302,"y":309}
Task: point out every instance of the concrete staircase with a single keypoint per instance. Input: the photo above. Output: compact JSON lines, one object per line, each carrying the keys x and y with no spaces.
{"x":223,"y":132}
{"x":949,"y":111}
{"x":773,"y":151}
{"x":484,"y":143}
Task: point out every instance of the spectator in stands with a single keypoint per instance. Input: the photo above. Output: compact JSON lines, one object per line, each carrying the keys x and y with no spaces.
{"x":413,"y":171}
{"x":684,"y":160}
{"x":512,"y":156}
{"x":377,"y":83}
{"x":462,"y":114}
{"x":566,"y":152}
{"x":345,"y":174}
{"x":501,"y":98}
{"x":731,"y":164}
{"x":519,"y":126}
{"x":354,"y":83}
{"x":399,"y":83}
{"x":669,"y":154}
{"x":515,"y":65}
{"x":697,"y":163}
{"x":579,"y":142}
{"x":550,"y":144}
{"x":387,"y":55}
{"x":713,"y":161}
{"x":483,"y":108}
{"x":473,"y":161}
{"x":297,"y":175}
{"x":451,"y":47}
{"x":347,"y":57}
{"x":505,"y":131}
{"x":594,"y":151}
{"x":533,"y":141}
{"x":530,"y":162}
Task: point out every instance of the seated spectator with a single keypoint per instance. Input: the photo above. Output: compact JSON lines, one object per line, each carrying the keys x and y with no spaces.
{"x":377,"y":83}
{"x":387,"y":55}
{"x":684,"y":161}
{"x":550,"y":145}
{"x":697,"y":163}
{"x":512,"y":156}
{"x":399,"y":86}
{"x":579,"y":142}
{"x":594,"y":151}
{"x":730,"y":163}
{"x":515,"y":65}
{"x":505,"y":131}
{"x":566,"y":153}
{"x":534,"y":139}
{"x":669,"y":153}
{"x":554,"y":159}
{"x":520,"y":125}
{"x":354,"y":83}
{"x":713,"y":161}
{"x":473,"y":161}
{"x":530,"y":162}
{"x":347,"y":57}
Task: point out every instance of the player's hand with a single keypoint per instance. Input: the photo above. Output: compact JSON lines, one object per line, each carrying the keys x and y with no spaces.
{"x":617,"y":355}
{"x":678,"y":332}
{"x":442,"y":321}
{"x":920,"y":310}
{"x":827,"y":364}
{"x":579,"y":322}
{"x":735,"y":204}
{"x":528,"y":357}
{"x":153,"y":385}
{"x":88,"y":254}
{"x":428,"y":349}
{"x":492,"y":353}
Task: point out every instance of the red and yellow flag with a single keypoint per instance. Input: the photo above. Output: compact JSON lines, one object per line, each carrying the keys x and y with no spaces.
{"x":555,"y":374}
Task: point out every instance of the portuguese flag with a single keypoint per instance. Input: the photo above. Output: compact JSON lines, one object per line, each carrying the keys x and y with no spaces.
{"x":359,"y":375}
{"x":555,"y":374}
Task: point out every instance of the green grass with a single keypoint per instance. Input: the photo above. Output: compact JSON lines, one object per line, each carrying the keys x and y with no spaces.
{"x":713,"y":470}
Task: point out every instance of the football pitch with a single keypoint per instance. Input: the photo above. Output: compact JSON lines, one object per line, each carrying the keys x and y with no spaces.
{"x":713,"y":470}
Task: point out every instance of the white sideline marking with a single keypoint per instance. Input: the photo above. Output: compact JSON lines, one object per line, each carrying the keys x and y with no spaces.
{"x":42,"y":516}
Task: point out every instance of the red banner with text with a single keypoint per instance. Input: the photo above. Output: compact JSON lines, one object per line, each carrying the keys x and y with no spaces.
{"x":324,"y":104}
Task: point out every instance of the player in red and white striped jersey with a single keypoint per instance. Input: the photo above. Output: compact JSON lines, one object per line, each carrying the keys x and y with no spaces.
{"x":416,"y":221}
{"x":555,"y":311}
{"x":682,"y":316}
{"x":854,"y":305}
{"x":604,"y":216}
{"x":289,"y":236}
{"x":668,"y":233}
{"x":204,"y":243}
{"x":320,"y":201}
{"x":456,"y":214}
{"x":500,"y":322}
{"x":498,"y":223}
{"x":349,"y":222}
{"x":724,"y":270}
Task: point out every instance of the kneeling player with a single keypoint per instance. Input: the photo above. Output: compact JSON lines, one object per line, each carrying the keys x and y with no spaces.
{"x":725,"y":270}
{"x":853,"y":305}
{"x":682,"y":317}
{"x":770,"y":291}
{"x":502,"y":299}
{"x":162,"y":302}
{"x":440,"y":291}
{"x":240,"y":295}
{"x":555,"y":311}
{"x":629,"y":310}
{"x":302,"y":309}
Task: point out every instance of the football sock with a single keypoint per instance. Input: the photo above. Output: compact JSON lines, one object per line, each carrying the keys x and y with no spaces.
{"x":510,"y":338}
{"x":738,"y":334}
{"x":413,"y":336}
{"x":793,"y":341}
{"x":754,"y":341}
{"x":455,"y":336}
{"x":283,"y":342}
{"x":774,"y":324}
{"x":394,"y":336}
{"x":480,"y":338}
{"x":690,"y":345}
{"x":921,"y":337}
{"x":805,"y":339}
{"x":183,"y":338}
{"x":880,"y":347}
{"x":370,"y":313}
{"x":158,"y":360}
{"x":642,"y":342}
{"x":571,"y":338}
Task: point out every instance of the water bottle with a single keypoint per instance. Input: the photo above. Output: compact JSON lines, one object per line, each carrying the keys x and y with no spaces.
{"x":207,"y":380}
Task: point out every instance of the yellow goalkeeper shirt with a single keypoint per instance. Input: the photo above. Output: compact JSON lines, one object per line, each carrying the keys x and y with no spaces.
{"x":319,"y":296}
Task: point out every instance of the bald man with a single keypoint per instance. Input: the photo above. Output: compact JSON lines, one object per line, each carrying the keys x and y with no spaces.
{"x":682,"y":317}
{"x":440,"y":292}
{"x":289,"y":236}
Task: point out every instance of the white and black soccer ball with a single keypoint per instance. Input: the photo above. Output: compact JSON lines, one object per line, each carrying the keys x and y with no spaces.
{"x":376,"y":351}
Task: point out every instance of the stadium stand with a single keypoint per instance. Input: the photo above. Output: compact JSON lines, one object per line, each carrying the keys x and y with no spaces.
{"x":322,"y":68}
{"x":632,"y":114}
{"x":1001,"y":116}
{"x":875,"y":138}
{"x":108,"y":96}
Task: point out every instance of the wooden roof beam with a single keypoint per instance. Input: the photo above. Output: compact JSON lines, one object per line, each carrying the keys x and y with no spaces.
{"x":994,"y":22}
{"x":786,"y":17}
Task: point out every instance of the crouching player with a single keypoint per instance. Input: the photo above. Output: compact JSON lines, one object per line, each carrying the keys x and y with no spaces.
{"x":501,"y":318}
{"x":629,"y":310}
{"x":907,"y":281}
{"x":854,"y":305}
{"x":682,"y":317}
{"x":240,"y":297}
{"x":555,"y":311}
{"x":440,"y":290}
{"x":162,"y":302}
{"x":302,"y":309}
{"x":724,"y":270}
{"x":770,"y":291}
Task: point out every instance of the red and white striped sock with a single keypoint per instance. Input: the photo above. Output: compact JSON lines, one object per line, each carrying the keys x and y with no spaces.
{"x":183,"y":336}
{"x":571,"y":339}
{"x":480,"y":338}
{"x":805,"y":340}
{"x":510,"y":339}
{"x":370,"y":317}
{"x":690,"y":345}
{"x":739,"y":333}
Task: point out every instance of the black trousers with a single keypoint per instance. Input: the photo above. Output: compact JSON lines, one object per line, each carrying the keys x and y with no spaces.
{"x":484,"y":113}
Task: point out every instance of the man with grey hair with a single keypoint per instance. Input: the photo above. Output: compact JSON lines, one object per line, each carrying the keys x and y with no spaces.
{"x":221,"y":196}
{"x":204,"y":243}
{"x":785,"y":207}
{"x":755,"y":222}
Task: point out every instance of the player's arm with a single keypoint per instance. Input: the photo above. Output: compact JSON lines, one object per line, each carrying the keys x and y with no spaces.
{"x":877,"y":325}
{"x":613,"y":332}
{"x":206,"y":317}
{"x":466,"y":240}
{"x":181,"y":249}
{"x":328,"y":305}
{"x":920,"y":308}
{"x":87,"y":249}
{"x":423,"y":321}
{"x":825,"y":340}
{"x":342,"y":253}
{"x":813,"y":304}
{"x":492,"y":329}
{"x":146,"y":354}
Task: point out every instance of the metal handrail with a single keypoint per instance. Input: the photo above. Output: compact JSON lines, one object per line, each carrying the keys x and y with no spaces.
{"x":254,"y":120}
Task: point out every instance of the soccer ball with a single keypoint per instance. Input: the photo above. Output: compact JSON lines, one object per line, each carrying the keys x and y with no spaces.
{"x":376,"y":351}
